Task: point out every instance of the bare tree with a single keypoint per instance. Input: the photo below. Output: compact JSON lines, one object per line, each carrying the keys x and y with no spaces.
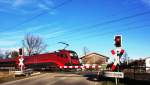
{"x":7,"y":53}
{"x":14,"y":54}
{"x":34,"y":44}
{"x":1,"y":54}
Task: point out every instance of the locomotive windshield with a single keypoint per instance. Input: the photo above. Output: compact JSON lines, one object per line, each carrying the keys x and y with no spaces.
{"x":73,"y":55}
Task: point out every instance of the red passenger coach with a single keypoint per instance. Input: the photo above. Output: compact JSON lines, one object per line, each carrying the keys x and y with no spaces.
{"x":46,"y":60}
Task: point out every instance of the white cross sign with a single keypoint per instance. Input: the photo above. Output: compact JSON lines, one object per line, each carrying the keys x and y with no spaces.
{"x":21,"y":61}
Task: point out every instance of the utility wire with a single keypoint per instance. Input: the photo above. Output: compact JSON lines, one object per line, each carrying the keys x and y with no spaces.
{"x":85,"y":31}
{"x":92,"y":26}
{"x":114,"y":20}
{"x":82,"y":29}
{"x":43,"y":13}
{"x":110,"y":32}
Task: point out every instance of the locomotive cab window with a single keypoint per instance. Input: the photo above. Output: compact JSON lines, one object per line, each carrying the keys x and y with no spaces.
{"x":73,"y":55}
{"x":63,"y":55}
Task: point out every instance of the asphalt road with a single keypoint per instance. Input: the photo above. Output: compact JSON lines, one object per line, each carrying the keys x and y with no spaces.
{"x":55,"y":79}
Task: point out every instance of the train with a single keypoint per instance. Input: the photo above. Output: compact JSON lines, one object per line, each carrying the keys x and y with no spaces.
{"x":52,"y":60}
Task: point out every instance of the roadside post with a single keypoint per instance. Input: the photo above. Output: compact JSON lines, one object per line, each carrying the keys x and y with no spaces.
{"x":21,"y":64}
{"x":117,"y":54}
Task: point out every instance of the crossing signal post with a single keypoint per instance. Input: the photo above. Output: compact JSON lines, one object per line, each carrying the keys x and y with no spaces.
{"x":117,"y":53}
{"x":21,"y":64}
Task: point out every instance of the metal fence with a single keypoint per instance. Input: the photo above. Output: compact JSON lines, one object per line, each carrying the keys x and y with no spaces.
{"x":137,"y":72}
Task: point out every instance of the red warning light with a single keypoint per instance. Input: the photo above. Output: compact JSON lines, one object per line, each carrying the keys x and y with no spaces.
{"x":118,"y":41}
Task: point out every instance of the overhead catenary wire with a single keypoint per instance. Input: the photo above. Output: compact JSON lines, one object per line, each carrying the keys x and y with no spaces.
{"x":40,"y":14}
{"x":82,"y":29}
{"x":98,"y":35}
{"x":110,"y":32}
{"x":94,"y":25}
{"x":58,"y":6}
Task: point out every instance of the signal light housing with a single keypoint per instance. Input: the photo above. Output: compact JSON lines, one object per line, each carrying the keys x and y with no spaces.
{"x":20,"y":51}
{"x":118,"y":41}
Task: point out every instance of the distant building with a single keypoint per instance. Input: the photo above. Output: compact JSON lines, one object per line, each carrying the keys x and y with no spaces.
{"x":147,"y":62}
{"x":94,"y":59}
{"x":141,"y":64}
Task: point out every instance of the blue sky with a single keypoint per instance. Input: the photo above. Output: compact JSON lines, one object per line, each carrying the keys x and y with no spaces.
{"x":80,"y":23}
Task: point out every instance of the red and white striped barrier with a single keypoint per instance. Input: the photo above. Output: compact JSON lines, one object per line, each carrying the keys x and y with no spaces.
{"x":80,"y":67}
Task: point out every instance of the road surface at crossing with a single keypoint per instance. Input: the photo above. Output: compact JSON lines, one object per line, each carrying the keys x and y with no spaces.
{"x":55,"y":79}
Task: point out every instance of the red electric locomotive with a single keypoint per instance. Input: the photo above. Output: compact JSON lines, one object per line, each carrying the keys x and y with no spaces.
{"x":44,"y":61}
